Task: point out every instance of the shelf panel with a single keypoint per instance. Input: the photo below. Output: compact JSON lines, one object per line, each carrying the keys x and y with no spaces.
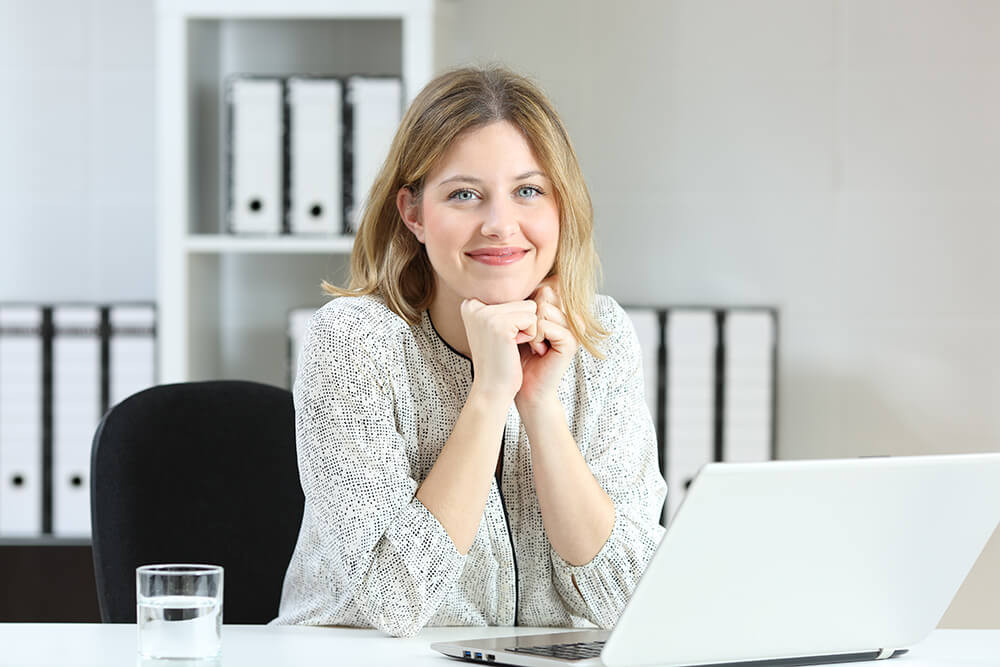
{"x":279,"y":245}
{"x":295,"y":8}
{"x":44,"y":541}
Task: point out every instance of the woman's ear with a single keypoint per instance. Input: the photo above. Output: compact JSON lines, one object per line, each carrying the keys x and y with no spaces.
{"x":409,"y":210}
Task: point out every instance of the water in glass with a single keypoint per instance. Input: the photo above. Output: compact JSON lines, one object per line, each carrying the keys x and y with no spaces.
{"x":180,"y":626}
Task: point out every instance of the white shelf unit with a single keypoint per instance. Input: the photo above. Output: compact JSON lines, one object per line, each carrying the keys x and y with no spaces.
{"x":223,"y":299}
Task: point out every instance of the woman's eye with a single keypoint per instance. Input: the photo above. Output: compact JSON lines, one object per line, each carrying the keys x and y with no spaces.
{"x":462,"y":195}
{"x":529,"y":191}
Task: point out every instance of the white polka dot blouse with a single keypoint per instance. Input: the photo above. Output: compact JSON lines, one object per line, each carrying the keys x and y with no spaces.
{"x":375,"y":402}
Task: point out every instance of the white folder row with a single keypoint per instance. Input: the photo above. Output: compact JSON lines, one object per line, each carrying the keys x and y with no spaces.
{"x":303,"y":151}
{"x":718,"y":388}
{"x":60,"y":368}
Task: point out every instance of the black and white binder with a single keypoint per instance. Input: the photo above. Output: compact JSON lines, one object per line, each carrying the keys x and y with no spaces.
{"x":76,"y":411}
{"x":21,"y":425}
{"x":749,"y":348}
{"x":372,"y":113}
{"x":315,"y":202}
{"x":691,"y":341}
{"x":132,"y":351}
{"x":255,"y":155}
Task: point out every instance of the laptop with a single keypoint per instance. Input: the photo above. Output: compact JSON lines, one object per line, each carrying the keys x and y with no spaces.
{"x":791,"y":562}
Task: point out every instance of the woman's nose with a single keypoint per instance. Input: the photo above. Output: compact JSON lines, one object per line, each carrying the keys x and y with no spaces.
{"x":500,"y":222}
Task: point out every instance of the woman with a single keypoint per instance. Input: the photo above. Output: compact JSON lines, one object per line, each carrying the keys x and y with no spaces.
{"x":473,"y":442}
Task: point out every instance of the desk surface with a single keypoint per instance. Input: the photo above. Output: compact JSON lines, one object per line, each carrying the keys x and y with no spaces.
{"x":78,"y":644}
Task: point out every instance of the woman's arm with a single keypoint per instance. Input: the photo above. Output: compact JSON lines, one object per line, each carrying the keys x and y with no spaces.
{"x":578,"y":515}
{"x":456,"y":488}
{"x":600,"y":503}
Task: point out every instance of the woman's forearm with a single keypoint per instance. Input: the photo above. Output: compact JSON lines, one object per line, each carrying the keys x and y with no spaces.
{"x":578,"y":515}
{"x":456,"y":488}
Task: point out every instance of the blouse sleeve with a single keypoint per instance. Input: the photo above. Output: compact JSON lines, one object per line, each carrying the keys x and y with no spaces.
{"x":380,"y":545}
{"x":623,"y":458}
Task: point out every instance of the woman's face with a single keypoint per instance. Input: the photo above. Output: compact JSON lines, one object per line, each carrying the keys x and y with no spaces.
{"x":488,"y":217}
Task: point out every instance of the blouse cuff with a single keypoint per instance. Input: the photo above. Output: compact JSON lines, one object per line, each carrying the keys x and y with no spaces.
{"x":592,"y":590}
{"x":418,"y":545}
{"x":430,"y":539}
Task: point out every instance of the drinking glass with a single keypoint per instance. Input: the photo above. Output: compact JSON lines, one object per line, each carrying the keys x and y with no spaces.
{"x":179,"y":610}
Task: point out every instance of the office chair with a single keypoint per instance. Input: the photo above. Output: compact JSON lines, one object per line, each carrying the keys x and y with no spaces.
{"x":197,"y":472}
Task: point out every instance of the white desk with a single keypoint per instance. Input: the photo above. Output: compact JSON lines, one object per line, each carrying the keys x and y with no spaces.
{"x":78,"y":644}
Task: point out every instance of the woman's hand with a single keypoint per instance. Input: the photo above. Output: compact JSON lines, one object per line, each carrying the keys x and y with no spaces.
{"x":545,"y":358}
{"x":494,"y":333}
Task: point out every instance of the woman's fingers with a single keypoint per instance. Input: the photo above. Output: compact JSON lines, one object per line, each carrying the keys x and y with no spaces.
{"x":552,"y":325}
{"x":558,"y":336}
{"x":547,"y":298}
{"x":539,"y":321}
{"x":547,"y":311}
{"x":516,"y":320}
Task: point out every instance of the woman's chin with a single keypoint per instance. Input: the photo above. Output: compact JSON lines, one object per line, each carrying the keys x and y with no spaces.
{"x":495,"y":297}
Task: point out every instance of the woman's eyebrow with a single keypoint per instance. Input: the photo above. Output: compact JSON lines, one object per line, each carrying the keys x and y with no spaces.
{"x":473,"y":179}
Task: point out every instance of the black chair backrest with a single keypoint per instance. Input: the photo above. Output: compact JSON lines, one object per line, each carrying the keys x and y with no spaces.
{"x":197,"y":472}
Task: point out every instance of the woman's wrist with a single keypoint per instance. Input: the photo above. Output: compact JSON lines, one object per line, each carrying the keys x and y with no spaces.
{"x":539,"y":409}
{"x":489,"y":399}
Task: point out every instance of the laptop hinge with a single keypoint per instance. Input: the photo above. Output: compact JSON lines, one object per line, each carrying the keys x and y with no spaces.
{"x":885,"y":653}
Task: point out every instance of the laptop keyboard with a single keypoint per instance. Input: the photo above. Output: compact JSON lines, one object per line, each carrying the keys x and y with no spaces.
{"x":576,"y":651}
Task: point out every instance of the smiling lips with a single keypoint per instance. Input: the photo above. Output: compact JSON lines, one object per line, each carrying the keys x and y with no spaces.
{"x":498,"y":256}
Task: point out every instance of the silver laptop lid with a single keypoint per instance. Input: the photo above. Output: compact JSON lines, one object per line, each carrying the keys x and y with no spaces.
{"x":799,"y":558}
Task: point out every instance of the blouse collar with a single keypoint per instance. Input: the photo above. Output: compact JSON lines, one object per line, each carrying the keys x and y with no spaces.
{"x":453,"y":360}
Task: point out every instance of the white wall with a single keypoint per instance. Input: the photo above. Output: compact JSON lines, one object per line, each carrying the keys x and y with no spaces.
{"x":76,"y":150}
{"x":839,"y":159}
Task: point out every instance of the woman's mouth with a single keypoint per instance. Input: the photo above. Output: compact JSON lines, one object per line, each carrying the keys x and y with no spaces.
{"x":497,"y":256}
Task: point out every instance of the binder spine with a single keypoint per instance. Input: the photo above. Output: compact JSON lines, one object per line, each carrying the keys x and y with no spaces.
{"x":20,"y":420}
{"x":132,"y":350}
{"x":751,"y":373}
{"x":253,"y":215}
{"x":371,"y":134}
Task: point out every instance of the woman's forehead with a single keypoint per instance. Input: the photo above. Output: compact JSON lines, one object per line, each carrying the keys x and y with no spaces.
{"x":495,"y":151}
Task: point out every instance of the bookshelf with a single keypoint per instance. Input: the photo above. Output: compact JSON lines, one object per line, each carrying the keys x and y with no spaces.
{"x":223,"y":299}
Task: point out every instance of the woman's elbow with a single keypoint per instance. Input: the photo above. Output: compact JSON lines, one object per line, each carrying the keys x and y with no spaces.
{"x":402,"y":626}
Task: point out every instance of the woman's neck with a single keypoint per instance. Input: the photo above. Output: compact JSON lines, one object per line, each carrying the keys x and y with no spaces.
{"x":446,"y":315}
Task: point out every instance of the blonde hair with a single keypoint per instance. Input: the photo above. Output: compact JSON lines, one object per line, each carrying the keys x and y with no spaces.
{"x":388,"y":259}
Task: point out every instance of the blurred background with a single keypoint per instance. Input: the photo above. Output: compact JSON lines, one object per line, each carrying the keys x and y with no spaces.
{"x":838,"y":160}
